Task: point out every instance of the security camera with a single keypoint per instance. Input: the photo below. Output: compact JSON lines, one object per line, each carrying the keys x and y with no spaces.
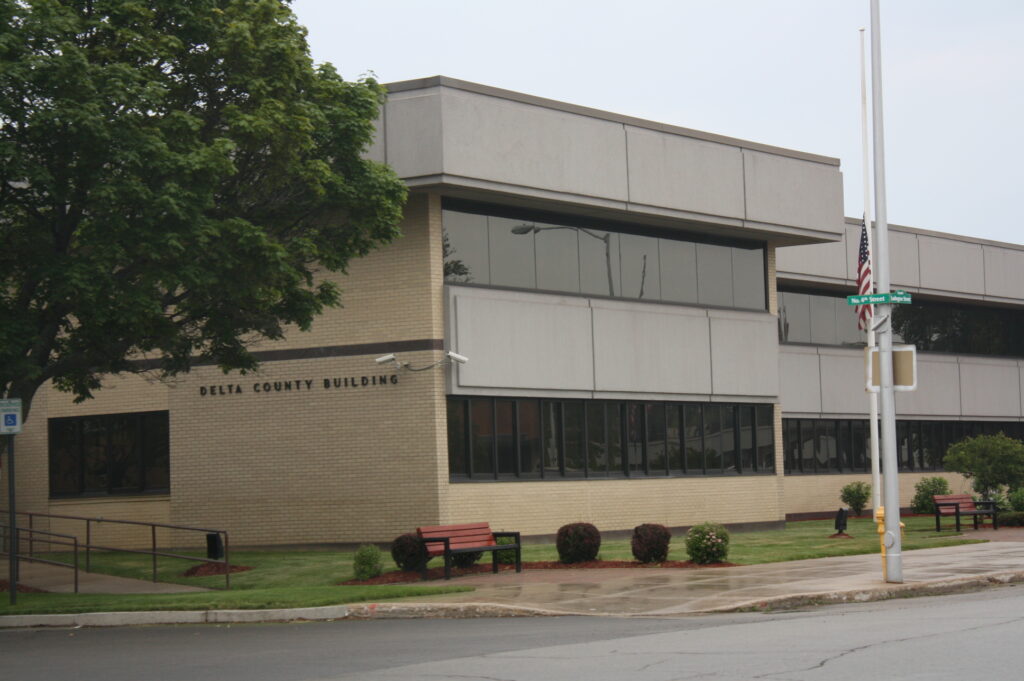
{"x":456,"y":357}
{"x":386,"y":358}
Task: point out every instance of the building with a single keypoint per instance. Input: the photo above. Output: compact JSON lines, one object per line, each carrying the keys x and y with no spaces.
{"x":655,"y":330}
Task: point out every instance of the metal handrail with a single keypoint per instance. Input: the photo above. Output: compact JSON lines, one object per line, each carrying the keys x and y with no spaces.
{"x":88,"y":545}
{"x":8,"y":540}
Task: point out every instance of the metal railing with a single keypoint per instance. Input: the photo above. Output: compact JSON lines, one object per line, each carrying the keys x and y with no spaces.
{"x":153,"y":551}
{"x":62,"y":540}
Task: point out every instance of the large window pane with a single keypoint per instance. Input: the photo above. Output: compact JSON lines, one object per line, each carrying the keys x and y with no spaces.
{"x":95,"y":441}
{"x":674,"y":435}
{"x":558,"y":258}
{"x":679,"y":270}
{"x":616,"y":465}
{"x":828,"y":459}
{"x":794,"y":317}
{"x":765,"y":415}
{"x":504,"y":412}
{"x":712,"y":438}
{"x":823,"y":320}
{"x":599,"y":262}
{"x":512,"y":255}
{"x":745,"y":419}
{"x":639,"y":263}
{"x":657,"y":464}
{"x":572,"y":415}
{"x":465,"y":248}
{"x":714,"y":275}
{"x":693,"y":425}
{"x":861,"y":445}
{"x":635,"y":437}
{"x":529,"y":438}
{"x":791,"y":445}
{"x":729,"y":453}
{"x":65,"y":457}
{"x":807,"y":446}
{"x":124,"y":452}
{"x":552,"y":426}
{"x":597,"y":440}
{"x":156,"y":451}
{"x":481,"y":425}
{"x":748,"y":278}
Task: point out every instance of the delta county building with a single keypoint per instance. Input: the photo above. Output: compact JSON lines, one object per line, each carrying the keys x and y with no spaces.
{"x":656,"y":330}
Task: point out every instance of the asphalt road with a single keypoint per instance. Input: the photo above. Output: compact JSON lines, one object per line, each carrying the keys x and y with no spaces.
{"x":966,"y":636}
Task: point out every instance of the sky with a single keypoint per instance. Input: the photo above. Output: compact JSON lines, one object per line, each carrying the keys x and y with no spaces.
{"x":779,"y":72}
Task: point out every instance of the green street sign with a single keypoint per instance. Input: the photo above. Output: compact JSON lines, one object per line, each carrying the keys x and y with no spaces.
{"x":896,"y":297}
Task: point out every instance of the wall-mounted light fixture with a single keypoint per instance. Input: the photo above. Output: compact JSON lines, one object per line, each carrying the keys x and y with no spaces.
{"x":449,"y":358}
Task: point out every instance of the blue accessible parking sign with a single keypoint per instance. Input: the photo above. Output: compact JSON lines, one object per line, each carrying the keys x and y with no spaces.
{"x":11,"y":411}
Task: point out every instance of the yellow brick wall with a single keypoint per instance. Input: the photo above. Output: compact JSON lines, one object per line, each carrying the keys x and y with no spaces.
{"x":820,"y":493}
{"x":535,"y":508}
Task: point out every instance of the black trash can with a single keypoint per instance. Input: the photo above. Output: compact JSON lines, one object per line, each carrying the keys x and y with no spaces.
{"x":214,"y":546}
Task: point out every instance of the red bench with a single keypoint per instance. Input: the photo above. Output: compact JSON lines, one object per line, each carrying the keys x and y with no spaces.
{"x":963,"y":505}
{"x":448,"y":540}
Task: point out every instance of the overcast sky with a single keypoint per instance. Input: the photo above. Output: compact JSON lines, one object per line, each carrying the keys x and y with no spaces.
{"x":780,"y":72}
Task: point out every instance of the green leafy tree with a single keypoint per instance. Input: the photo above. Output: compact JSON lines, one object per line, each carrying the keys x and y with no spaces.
{"x":856,"y":495}
{"x":173,"y":175}
{"x":990,"y":462}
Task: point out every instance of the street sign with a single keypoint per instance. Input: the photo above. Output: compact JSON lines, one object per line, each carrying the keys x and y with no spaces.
{"x":904,"y":368}
{"x":880,"y":299}
{"x":10,"y":417}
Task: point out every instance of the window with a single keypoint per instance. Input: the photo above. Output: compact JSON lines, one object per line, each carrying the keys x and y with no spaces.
{"x":109,"y":454}
{"x":494,"y":246}
{"x":500,"y":438}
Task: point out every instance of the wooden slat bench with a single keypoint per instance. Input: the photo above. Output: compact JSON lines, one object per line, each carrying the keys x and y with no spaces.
{"x":959,"y":505}
{"x":448,"y":540}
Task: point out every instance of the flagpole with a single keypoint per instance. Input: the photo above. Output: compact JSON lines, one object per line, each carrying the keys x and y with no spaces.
{"x":876,"y":472}
{"x":892,"y":538}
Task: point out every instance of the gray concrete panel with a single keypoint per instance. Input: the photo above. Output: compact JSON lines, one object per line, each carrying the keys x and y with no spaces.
{"x":684,"y":173}
{"x":793,"y":192}
{"x":377,"y":152}
{"x":951,"y":265}
{"x":938,"y":388}
{"x":820,"y":260}
{"x":521,"y":144}
{"x":1004,"y":272}
{"x":903,"y":260}
{"x":744,"y":353}
{"x":990,"y":387}
{"x":651,"y":348}
{"x":799,"y":379}
{"x":517,"y":340}
{"x":842,"y":382}
{"x":413,"y":133}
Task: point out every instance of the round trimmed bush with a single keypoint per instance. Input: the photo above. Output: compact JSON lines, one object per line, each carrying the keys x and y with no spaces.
{"x":577,"y":543}
{"x":923,"y":491}
{"x":408,"y":552}
{"x":707,"y":543}
{"x":367,"y":564}
{"x":650,"y":543}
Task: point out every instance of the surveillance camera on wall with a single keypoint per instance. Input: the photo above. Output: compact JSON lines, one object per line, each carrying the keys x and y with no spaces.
{"x":385,"y":358}
{"x":456,"y":357}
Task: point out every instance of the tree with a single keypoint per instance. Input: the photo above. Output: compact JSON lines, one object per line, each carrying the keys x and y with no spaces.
{"x":173,"y":176}
{"x":991,"y":462}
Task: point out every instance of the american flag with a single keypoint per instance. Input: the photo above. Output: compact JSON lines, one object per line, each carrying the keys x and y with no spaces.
{"x":864,"y":312}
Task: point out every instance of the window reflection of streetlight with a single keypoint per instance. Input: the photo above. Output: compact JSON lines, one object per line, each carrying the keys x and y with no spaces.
{"x":606,"y":238}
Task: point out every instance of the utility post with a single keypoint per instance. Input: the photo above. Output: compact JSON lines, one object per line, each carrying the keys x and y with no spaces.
{"x":891,"y":498}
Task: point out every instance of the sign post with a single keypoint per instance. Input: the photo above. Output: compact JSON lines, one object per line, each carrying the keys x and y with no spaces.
{"x":10,"y":425}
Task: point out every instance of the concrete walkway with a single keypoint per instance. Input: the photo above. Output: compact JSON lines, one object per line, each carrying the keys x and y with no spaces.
{"x":645,"y":592}
{"x":56,"y":579}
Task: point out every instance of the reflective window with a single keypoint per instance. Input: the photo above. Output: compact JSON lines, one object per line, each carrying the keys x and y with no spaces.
{"x":458,"y":464}
{"x":657,"y":449}
{"x":765,"y":420}
{"x":481,"y":425}
{"x":528,"y":412}
{"x":572,"y":417}
{"x":505,"y":436}
{"x":794,"y":317}
{"x":586,"y":258}
{"x":597,"y":439}
{"x":823,"y":320}
{"x":693,"y":427}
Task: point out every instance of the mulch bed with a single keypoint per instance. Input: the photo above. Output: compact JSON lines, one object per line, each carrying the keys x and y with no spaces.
{"x":22,"y":589}
{"x":207,"y":569}
{"x":399,"y":577}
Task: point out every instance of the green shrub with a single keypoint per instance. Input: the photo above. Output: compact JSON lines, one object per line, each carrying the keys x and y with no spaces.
{"x":650,"y":543}
{"x":508,"y":556}
{"x":707,"y":543}
{"x":991,"y":462}
{"x":367,"y":562}
{"x":856,"y":496}
{"x":1002,"y":502}
{"x":408,"y":552}
{"x":1016,"y":499}
{"x":577,"y":543}
{"x":1012,"y":519}
{"x":923,"y":491}
{"x":465,"y":560}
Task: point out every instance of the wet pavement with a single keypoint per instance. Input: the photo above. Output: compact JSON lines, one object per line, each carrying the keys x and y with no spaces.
{"x":56,"y":579}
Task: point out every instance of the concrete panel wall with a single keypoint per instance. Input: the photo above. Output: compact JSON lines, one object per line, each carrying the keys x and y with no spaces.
{"x":817,"y":260}
{"x":904,"y":265}
{"x":990,"y":387}
{"x":650,"y":349}
{"x":799,"y":379}
{"x":784,"y":190}
{"x":515,"y":143}
{"x":528,"y":342}
{"x":744,"y":354}
{"x":1004,"y":272}
{"x":818,"y":381}
{"x":684,"y":173}
{"x":951,"y":265}
{"x":414,"y":116}
{"x":535,"y":343}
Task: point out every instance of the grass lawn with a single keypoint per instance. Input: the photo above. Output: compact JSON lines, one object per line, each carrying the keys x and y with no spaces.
{"x":309,"y":578}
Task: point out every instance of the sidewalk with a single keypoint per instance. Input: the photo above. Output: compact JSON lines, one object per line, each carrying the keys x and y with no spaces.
{"x":644,"y":592}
